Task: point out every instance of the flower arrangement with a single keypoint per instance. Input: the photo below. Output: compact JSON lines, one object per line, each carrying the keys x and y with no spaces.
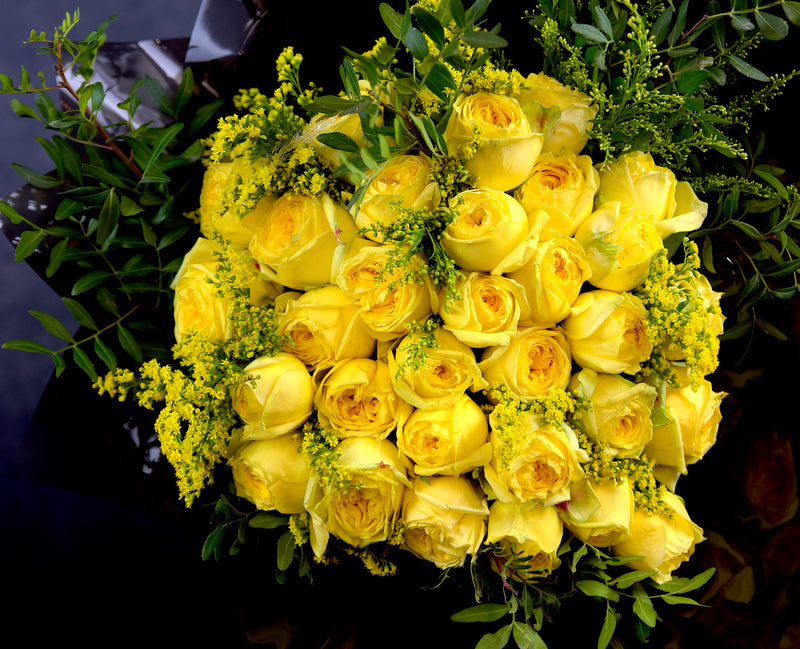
{"x":459,"y":311}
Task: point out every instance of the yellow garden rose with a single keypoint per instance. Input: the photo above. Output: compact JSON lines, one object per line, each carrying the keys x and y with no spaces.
{"x":637,"y":182}
{"x":446,"y":441}
{"x":356,"y":399}
{"x":606,"y":332}
{"x":528,"y":537}
{"x":404,"y":181}
{"x":610,"y":523}
{"x":535,"y":361}
{"x":564,"y":187}
{"x":552,"y":278}
{"x":238,"y":230}
{"x":447,"y":370}
{"x":272,"y":474}
{"x":387,"y":306}
{"x":444,"y":519}
{"x":488,"y":226}
{"x":620,"y":413}
{"x":665,"y":542}
{"x":325,"y":326}
{"x":539,"y":464}
{"x":567,"y":123}
{"x":276,"y":399}
{"x":619,"y":245}
{"x":509,"y":146}
{"x":197,"y":306}
{"x":488,"y":311}
{"x":368,"y":510}
{"x":303,"y":240}
{"x":691,"y":430}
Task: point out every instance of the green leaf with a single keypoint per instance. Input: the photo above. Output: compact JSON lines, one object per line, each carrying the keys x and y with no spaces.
{"x":772,"y":27}
{"x":602,"y":21}
{"x":742,"y":66}
{"x":52,"y":325}
{"x":685,"y":585}
{"x":286,"y":546}
{"x":597,"y":589}
{"x":22,"y":345}
{"x":678,"y":599}
{"x":34,"y":178}
{"x":105,"y":354}
{"x":80,"y":314}
{"x":59,"y":363}
{"x":416,"y":43}
{"x":629,"y":578}
{"x":481,"y":38}
{"x":477,"y":10}
{"x":28,"y":242}
{"x":22,"y":110}
{"x":590,"y":33}
{"x":748,"y":229}
{"x":268,"y":520}
{"x":680,"y":23}
{"x":90,"y":281}
{"x":83,"y":361}
{"x":643,"y":607}
{"x":607,"y":632}
{"x":660,"y":27}
{"x":690,"y":81}
{"x":10,"y":213}
{"x":430,"y":26}
{"x":481,"y":613}
{"x":129,"y":343}
{"x":792,"y":11}
{"x":339,"y":141}
{"x":496,"y":640}
{"x":771,"y":330}
{"x":783,"y":269}
{"x":526,"y":637}
{"x":165,"y":138}
{"x":392,"y":20}
{"x":108,"y":219}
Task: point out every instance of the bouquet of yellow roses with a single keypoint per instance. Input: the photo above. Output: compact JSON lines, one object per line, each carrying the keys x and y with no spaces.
{"x":455,"y":314}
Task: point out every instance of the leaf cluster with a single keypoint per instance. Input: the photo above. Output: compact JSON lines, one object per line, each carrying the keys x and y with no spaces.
{"x":119,"y":230}
{"x":611,"y":585}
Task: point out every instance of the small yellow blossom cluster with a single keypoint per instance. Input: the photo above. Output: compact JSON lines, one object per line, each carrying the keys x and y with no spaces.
{"x":320,"y":447}
{"x":678,"y":314}
{"x":298,"y":526}
{"x":647,"y":492}
{"x":491,"y":78}
{"x":375,"y":565}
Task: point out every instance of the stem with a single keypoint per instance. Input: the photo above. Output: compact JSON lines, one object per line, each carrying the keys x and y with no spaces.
{"x":90,"y":117}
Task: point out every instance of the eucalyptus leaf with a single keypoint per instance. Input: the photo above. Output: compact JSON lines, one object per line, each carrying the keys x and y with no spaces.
{"x":742,"y":66}
{"x":772,"y":27}
{"x":590,"y":33}
{"x":285,"y":550}
{"x":792,"y":11}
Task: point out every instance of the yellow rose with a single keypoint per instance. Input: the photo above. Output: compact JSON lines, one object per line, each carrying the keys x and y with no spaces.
{"x":542,"y":468}
{"x":610,"y":522}
{"x":567,"y":123}
{"x":303,"y":240}
{"x":368,"y":510}
{"x":528,"y":537}
{"x":606,"y":332}
{"x":509,"y":147}
{"x":197,"y":306}
{"x":637,"y":182}
{"x":535,"y":361}
{"x":356,"y":399}
{"x":694,"y":416}
{"x":446,"y":441}
{"x":238,"y":230}
{"x":552,"y":278}
{"x":488,"y":226}
{"x":387,"y":306}
{"x":620,"y":413}
{"x":404,"y":181}
{"x":272,"y":474}
{"x":487,"y":312}
{"x":665,"y":542}
{"x":444,"y":519}
{"x":448,"y":370}
{"x":276,"y":399}
{"x":564,"y":187}
{"x":325,"y":326}
{"x":619,"y":245}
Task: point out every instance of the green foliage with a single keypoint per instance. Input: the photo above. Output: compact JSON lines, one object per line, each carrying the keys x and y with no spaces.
{"x":615,"y":588}
{"x":120,"y":228}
